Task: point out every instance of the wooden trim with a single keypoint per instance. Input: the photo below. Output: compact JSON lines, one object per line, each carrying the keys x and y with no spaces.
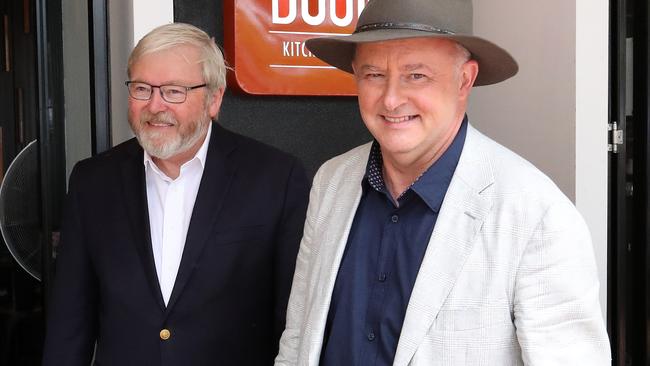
{"x":7,"y":38}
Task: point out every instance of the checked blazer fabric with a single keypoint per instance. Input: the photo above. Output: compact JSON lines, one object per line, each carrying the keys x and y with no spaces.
{"x":508,"y":278}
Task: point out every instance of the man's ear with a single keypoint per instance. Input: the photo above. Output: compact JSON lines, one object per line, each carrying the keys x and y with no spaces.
{"x":468,"y":74}
{"x":214,"y":103}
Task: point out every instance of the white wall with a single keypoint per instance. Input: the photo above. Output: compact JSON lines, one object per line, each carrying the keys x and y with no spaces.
{"x":121,"y":42}
{"x":592,"y":55}
{"x":533,"y":113}
{"x":76,"y":84}
{"x":554,"y":112}
{"x":130,"y":20}
{"x":149,"y":14}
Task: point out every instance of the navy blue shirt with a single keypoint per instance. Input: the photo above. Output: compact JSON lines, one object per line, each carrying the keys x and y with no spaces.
{"x":381,"y":261}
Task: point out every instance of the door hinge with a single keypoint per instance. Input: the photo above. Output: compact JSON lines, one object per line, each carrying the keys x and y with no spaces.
{"x":615,"y":137}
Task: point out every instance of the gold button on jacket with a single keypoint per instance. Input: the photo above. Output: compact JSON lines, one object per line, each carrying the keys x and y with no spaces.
{"x":165,"y":334}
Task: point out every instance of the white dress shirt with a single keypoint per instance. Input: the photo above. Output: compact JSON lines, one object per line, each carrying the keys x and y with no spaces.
{"x":171,"y":202}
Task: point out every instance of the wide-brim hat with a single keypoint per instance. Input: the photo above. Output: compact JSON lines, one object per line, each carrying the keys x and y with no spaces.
{"x":384,"y":20}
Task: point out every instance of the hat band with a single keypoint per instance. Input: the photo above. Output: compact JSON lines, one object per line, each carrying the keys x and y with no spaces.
{"x":394,"y":25}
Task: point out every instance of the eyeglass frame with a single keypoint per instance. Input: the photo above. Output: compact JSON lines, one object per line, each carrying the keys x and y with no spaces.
{"x":162,"y":95}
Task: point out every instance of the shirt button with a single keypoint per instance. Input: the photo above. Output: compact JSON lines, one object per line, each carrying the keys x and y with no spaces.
{"x":394,"y":218}
{"x":382,"y":277}
{"x":371,"y":336}
{"x":165,"y":334}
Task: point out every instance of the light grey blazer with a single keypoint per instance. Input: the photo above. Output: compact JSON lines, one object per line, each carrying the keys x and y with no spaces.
{"x":508,"y":278}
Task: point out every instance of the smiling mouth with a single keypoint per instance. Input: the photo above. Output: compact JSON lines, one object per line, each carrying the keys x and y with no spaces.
{"x":399,"y":119}
{"x":159,"y":124}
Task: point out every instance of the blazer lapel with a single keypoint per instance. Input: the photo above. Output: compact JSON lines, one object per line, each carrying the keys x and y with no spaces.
{"x":337,"y":224}
{"x":135,"y":199}
{"x":215,"y":182}
{"x":461,"y":216}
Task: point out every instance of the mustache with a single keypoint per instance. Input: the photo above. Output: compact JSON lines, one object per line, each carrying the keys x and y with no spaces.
{"x":160,"y":117}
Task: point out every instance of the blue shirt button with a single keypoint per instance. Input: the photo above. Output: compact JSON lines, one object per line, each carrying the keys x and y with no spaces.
{"x":394,"y":218}
{"x":382,"y":277}
{"x":371,"y":336}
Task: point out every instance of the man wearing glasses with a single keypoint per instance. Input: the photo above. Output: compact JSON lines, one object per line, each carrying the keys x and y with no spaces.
{"x":178,"y":247}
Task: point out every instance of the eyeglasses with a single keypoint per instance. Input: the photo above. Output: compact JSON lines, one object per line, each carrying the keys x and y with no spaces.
{"x":170,"y":93}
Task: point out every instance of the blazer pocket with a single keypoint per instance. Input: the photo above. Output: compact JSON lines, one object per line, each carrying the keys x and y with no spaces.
{"x":466,"y":343}
{"x":470,"y":337}
{"x":243,"y":234}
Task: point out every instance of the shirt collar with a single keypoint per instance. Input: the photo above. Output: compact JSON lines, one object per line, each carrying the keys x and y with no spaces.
{"x":200,"y":155}
{"x":431,"y":185}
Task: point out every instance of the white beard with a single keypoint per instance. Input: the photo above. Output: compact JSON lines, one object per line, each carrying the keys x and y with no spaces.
{"x":162,"y":147}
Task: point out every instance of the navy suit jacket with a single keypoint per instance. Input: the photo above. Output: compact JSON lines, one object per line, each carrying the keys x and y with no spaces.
{"x":229,"y":300}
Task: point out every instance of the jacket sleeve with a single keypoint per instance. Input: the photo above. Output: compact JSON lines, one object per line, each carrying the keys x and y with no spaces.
{"x":556,"y":307}
{"x":295,"y":320}
{"x":72,"y":309}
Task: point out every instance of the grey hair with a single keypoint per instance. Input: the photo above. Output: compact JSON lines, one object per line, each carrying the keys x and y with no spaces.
{"x":171,"y":35}
{"x":462,"y":55}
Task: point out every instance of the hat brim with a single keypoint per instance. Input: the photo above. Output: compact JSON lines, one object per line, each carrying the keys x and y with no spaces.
{"x":495,"y":63}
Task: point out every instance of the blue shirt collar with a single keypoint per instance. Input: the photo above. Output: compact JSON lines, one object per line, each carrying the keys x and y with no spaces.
{"x":432,"y":185}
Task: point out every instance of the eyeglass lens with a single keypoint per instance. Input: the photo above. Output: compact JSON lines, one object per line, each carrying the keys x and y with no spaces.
{"x":170,"y":93}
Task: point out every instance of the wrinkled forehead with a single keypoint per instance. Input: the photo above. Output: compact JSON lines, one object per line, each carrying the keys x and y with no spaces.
{"x":421,"y":50}
{"x":189,"y":54}
{"x":181,"y":54}
{"x":170,"y":66}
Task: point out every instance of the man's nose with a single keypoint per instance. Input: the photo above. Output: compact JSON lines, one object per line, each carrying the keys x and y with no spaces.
{"x":156,"y":102}
{"x":394,"y":94}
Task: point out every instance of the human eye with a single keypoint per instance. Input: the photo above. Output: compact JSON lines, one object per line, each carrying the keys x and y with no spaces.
{"x":140,"y":88}
{"x":174,"y":93}
{"x":417,"y":76}
{"x":174,"y":90}
{"x":373,"y":76}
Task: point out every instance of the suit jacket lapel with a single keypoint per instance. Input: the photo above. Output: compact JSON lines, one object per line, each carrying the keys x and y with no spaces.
{"x":333,"y":240}
{"x":135,"y":199}
{"x":461,"y":216}
{"x":215,"y":182}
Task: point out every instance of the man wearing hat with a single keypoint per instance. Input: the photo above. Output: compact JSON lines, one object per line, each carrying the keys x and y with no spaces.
{"x":433,"y":244}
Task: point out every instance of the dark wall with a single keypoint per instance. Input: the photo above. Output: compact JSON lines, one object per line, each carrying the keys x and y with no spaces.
{"x":312,"y":128}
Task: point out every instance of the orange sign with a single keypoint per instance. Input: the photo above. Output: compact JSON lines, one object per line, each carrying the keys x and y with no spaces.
{"x":265,"y":44}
